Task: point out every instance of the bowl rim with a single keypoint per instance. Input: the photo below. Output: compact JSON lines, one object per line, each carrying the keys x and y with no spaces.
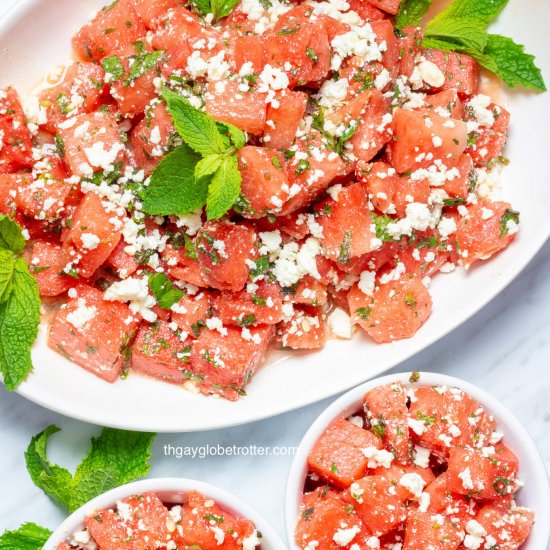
{"x":228,"y":501}
{"x":349,"y":402}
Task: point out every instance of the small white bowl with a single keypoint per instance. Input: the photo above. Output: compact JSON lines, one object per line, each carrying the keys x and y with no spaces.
{"x":171,"y":490}
{"x":535,"y":494}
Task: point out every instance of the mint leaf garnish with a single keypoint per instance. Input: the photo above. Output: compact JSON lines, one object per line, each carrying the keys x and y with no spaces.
{"x":113,"y":66}
{"x":461,"y":27}
{"x":483,"y":11}
{"x":19,"y":320}
{"x":411,"y":13}
{"x":163,"y":290}
{"x":28,"y":537}
{"x":219,"y":8}
{"x":173,"y":188}
{"x":11,"y":236}
{"x":7,"y":265}
{"x":509,"y":61}
{"x":466,"y":32}
{"x":224,"y":188}
{"x":196,"y":128}
{"x":116,"y":457}
{"x":207,"y":166}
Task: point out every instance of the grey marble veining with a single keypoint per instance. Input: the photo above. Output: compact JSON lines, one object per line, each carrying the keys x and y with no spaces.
{"x":505,"y":349}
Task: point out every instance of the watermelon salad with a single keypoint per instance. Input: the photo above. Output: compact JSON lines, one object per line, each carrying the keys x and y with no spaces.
{"x":341,"y":163}
{"x":418,"y":467}
{"x":144,"y":522}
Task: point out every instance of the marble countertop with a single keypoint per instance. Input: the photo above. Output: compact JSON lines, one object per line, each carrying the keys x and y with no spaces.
{"x":504,"y":349}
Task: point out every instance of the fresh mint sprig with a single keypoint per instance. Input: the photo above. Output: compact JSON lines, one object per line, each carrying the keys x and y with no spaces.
{"x":116,"y":457}
{"x":19,"y":306}
{"x":218,"y":8}
{"x":462,"y":27}
{"x":201,"y":172}
{"x":28,"y":537}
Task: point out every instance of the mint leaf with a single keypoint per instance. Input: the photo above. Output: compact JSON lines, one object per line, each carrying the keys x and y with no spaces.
{"x":207,"y":166}
{"x":113,"y":66}
{"x":224,"y":188}
{"x":19,"y":320}
{"x":202,"y":6}
{"x":11,"y":236}
{"x":222,"y":8}
{"x":483,"y":11}
{"x":236,"y":136}
{"x":439,"y":44}
{"x":411,"y":12}
{"x":116,"y":457}
{"x":163,"y":290}
{"x":7,"y":263}
{"x":54,"y":480}
{"x":509,"y":61}
{"x":28,"y":537}
{"x":173,"y":188}
{"x":196,"y":128}
{"x":465,"y":32}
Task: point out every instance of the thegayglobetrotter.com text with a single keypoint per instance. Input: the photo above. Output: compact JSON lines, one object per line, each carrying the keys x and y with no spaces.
{"x":204,"y":451}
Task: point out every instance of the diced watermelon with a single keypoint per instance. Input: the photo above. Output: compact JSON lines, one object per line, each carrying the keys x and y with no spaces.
{"x":145,"y":523}
{"x":367,"y":11}
{"x":449,"y":417}
{"x":425,"y":530}
{"x":80,"y":92}
{"x":384,"y":31}
{"x":123,"y":263}
{"x":410,"y":43}
{"x":346,"y":224}
{"x":283,"y":121}
{"x":93,"y":333}
{"x":323,"y":516}
{"x":114,"y":27}
{"x":92,"y":144}
{"x":459,"y":185}
{"x":264,"y":306}
{"x":445,"y":103}
{"x":250,"y":48}
{"x":485,"y":474}
{"x":309,"y":176}
{"x":337,"y":457}
{"x":458,"y":508}
{"x":396,"y":309}
{"x":460,"y":70}
{"x":191,"y":312}
{"x":305,"y":330}
{"x":310,"y":291}
{"x":419,"y":140}
{"x":205,"y":525}
{"x":151,"y":137}
{"x":489,"y":142}
{"x":151,"y":10}
{"x":394,"y":474}
{"x":487,"y":228}
{"x":15,"y":137}
{"x":135,"y":88}
{"x":387,"y":412}
{"x":224,"y":251}
{"x":381,"y":181}
{"x":226,"y":103}
{"x":264,"y":185}
{"x":288,"y":46}
{"x":95,"y":232}
{"x":425,"y":255}
{"x":225,"y":364}
{"x":509,"y":527}
{"x":376,"y":504}
{"x":43,"y":195}
{"x":47,"y":263}
{"x":389,"y":6}
{"x":159,"y":352}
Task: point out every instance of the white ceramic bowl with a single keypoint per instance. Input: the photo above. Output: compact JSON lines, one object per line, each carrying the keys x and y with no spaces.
{"x":535,"y":494}
{"x":172,"y":490}
{"x":35,"y":36}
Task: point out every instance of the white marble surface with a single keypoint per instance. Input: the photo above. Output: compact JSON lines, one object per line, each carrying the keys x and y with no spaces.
{"x":505,"y":349}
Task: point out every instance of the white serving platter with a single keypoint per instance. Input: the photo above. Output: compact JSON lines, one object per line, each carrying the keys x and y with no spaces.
{"x":35,"y":36}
